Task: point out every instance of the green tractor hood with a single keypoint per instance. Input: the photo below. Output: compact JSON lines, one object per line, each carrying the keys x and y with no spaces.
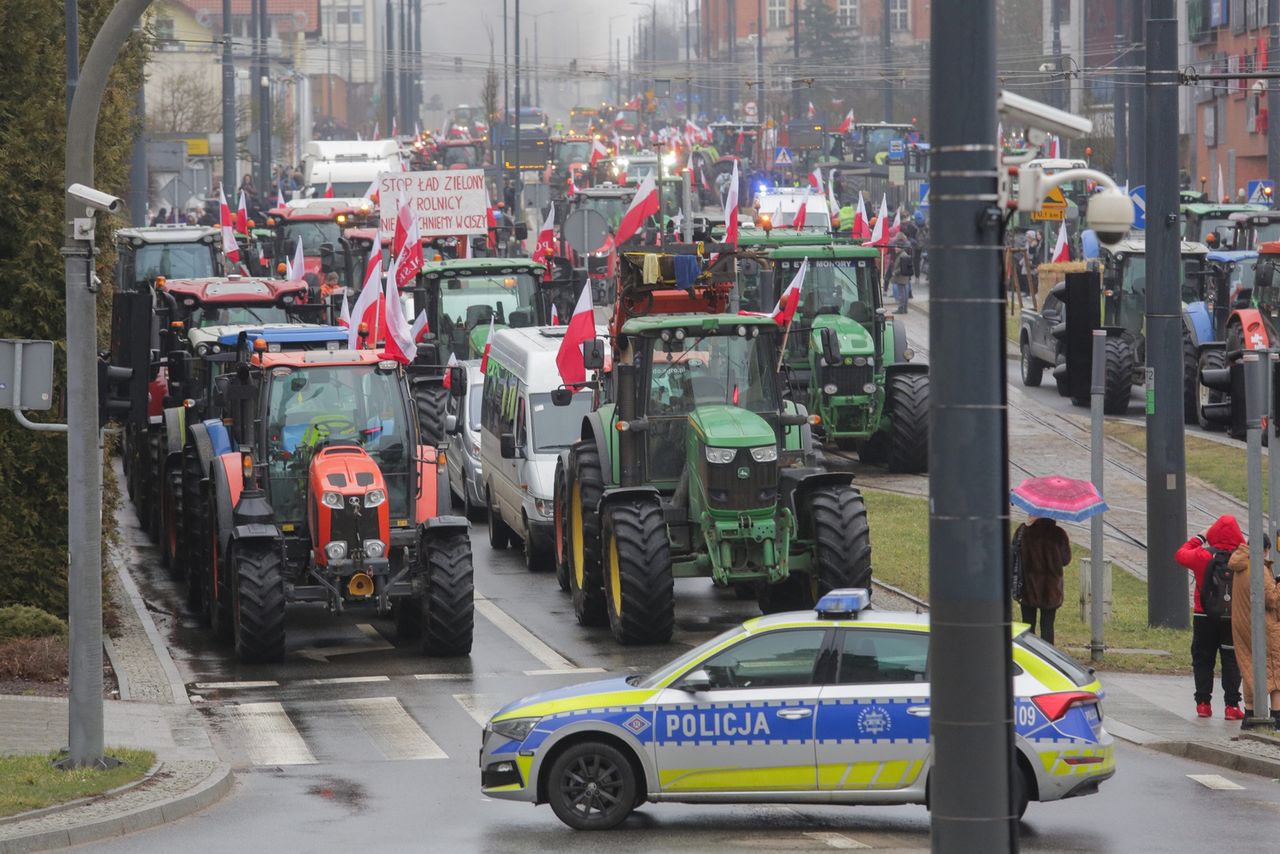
{"x":477,"y":339}
{"x":723,"y":426}
{"x":855,"y":339}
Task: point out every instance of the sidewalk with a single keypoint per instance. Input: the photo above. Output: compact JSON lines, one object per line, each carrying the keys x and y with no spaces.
{"x":153,"y":714}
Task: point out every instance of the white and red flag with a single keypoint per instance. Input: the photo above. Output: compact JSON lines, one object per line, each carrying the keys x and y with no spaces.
{"x":860,"y":227}
{"x":847,"y":124}
{"x":296,"y":267}
{"x":731,"y":210}
{"x":328,"y":190}
{"x":546,"y":245}
{"x":598,"y":152}
{"x":811,"y":112}
{"x":367,"y":310}
{"x":399,"y":343}
{"x":421,"y":326}
{"x":789,"y":301}
{"x":344,"y":317}
{"x":815,"y":180}
{"x":1062,"y":250}
{"x":880,"y":234}
{"x":406,"y":246}
{"x":798,"y":222}
{"x":643,"y":206}
{"x":581,"y":329}
{"x":453,"y":360}
{"x":229,"y":245}
{"x":242,"y":217}
{"x":488,"y":341}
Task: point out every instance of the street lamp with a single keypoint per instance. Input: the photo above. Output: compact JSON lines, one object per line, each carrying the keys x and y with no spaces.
{"x":653,"y":26}
{"x":537,"y":71}
{"x":617,"y":67}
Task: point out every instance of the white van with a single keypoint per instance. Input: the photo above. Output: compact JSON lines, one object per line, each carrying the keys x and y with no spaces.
{"x":346,"y":165}
{"x":521,"y":433}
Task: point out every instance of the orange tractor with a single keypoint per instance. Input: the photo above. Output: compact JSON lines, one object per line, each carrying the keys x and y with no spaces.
{"x":320,"y":490}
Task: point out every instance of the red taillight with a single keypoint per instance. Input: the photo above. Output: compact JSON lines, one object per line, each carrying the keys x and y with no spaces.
{"x":1054,"y":706}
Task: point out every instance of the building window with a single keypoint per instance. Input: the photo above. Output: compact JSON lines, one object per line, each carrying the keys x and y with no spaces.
{"x":164,"y":29}
{"x":900,"y":14}
{"x":847,"y":13}
{"x":778,"y":14}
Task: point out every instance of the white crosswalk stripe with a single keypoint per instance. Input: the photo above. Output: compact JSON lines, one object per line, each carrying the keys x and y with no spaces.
{"x":395,"y":733}
{"x":480,"y":706}
{"x":270,"y":738}
{"x":1215,"y":781}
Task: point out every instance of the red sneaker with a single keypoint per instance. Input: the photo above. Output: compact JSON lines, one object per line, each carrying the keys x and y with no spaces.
{"x":1233,"y":713}
{"x":1204,"y":710}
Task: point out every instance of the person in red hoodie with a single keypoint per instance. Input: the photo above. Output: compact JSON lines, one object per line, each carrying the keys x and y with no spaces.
{"x":1211,"y":636}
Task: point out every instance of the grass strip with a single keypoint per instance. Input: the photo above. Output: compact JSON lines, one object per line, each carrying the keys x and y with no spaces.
{"x":31,"y":782}
{"x":1221,"y":466}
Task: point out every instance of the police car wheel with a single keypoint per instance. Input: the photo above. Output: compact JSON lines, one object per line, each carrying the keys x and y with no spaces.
{"x":1025,"y":785}
{"x":592,"y":786}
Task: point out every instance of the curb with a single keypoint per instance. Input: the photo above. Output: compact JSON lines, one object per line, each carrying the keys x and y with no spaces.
{"x":66,"y":805}
{"x":177,"y":688}
{"x":1221,"y":756}
{"x":204,"y":794}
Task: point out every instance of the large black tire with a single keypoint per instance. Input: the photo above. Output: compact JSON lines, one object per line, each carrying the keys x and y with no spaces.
{"x":1119,"y":376}
{"x":796,"y":592}
{"x":586,"y":582}
{"x":592,"y":785}
{"x":154,"y":485}
{"x":907,"y":400}
{"x":1209,"y":360}
{"x":430,"y":399}
{"x":560,"y":545}
{"x":1060,"y":380}
{"x":1190,"y":379}
{"x":841,"y":538}
{"x":537,"y":555}
{"x":171,"y":546}
{"x":448,"y":600}
{"x":500,"y":534}
{"x":875,"y":450}
{"x":192,"y":542}
{"x":1032,"y":368}
{"x":638,"y":583}
{"x":259,"y":598}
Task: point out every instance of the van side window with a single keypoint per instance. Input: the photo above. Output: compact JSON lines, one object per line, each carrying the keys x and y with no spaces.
{"x":507,"y":413}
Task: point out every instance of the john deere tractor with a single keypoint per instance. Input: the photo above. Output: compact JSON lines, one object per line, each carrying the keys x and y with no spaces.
{"x":698,"y":466}
{"x":844,"y":356}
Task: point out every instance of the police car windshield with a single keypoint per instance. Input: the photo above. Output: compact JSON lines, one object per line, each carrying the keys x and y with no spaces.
{"x":1056,"y":657}
{"x":678,"y":665}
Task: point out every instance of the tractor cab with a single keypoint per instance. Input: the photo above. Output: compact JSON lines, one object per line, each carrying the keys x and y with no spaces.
{"x":166,"y":251}
{"x":464,"y":297}
{"x":1214,"y":225}
{"x":318,"y":224}
{"x":1254,"y":228}
{"x":1125,"y":284}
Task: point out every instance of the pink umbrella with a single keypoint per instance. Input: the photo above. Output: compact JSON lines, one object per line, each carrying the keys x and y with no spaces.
{"x":1055,"y":497}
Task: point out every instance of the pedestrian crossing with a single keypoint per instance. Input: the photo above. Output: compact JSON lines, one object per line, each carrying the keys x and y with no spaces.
{"x":309,"y":732}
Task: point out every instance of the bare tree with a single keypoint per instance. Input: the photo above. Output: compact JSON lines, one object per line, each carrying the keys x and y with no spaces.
{"x":187,"y":103}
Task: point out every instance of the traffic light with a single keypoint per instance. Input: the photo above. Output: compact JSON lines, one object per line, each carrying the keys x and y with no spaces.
{"x":124,"y":374}
{"x":1080,"y":298}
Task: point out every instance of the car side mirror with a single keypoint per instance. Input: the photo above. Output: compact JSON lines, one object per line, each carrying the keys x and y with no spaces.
{"x":521,"y":231}
{"x":593,"y":354}
{"x":457,"y":381}
{"x":830,"y":346}
{"x":696,"y":682}
{"x":561,"y":396}
{"x":451,"y":425}
{"x":507,"y":446}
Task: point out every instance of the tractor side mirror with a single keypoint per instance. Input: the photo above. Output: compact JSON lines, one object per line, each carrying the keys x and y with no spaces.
{"x":177,"y":361}
{"x":830,"y":346}
{"x":220,"y":384}
{"x":327,"y":259}
{"x":507,"y":446}
{"x":521,"y":231}
{"x":457,"y":381}
{"x":561,"y":396}
{"x":1263,"y":274}
{"x":593,"y":354}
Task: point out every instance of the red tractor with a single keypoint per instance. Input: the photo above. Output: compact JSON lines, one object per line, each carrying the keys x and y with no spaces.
{"x":318,"y":489}
{"x":318,"y":223}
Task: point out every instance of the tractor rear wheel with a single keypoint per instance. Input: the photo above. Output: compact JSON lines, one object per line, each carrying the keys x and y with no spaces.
{"x":841,"y":538}
{"x":638,"y":584}
{"x":560,"y":545}
{"x":794,"y":593}
{"x":171,"y":529}
{"x":190,"y":540}
{"x":154,"y":475}
{"x":1209,"y":360}
{"x":908,"y":405}
{"x":430,"y":399}
{"x":448,"y":600}
{"x":259,"y":599}
{"x":1190,"y":379}
{"x":1119,"y":376}
{"x":586,"y":486}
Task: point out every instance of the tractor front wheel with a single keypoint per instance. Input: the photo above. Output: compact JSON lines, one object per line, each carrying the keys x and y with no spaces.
{"x":448,"y":600}
{"x":841,"y":538}
{"x":560,"y":545}
{"x":1190,"y":379}
{"x":259,"y":599}
{"x":638,"y":584}
{"x":908,"y":405}
{"x":586,"y":486}
{"x":430,"y":399}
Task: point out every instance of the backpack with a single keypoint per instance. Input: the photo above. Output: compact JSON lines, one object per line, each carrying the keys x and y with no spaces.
{"x":1215,"y":590}
{"x":906,"y":264}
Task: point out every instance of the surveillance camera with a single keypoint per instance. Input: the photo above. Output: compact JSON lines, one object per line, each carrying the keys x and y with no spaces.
{"x":95,"y":199}
{"x":1039,"y":116}
{"x":1110,"y":215}
{"x":1046,"y":67}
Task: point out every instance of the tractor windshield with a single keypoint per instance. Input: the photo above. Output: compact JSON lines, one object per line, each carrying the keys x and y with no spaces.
{"x":313,"y":234}
{"x":1133,"y":288}
{"x":174,"y":261}
{"x":222,"y":315}
{"x":578,"y":151}
{"x":610,"y":207}
{"x":460,"y":156}
{"x":468,"y":302}
{"x":844,"y":287}
{"x":310,"y":407}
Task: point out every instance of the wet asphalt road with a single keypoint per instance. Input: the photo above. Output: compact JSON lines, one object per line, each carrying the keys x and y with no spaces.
{"x":386,"y":755}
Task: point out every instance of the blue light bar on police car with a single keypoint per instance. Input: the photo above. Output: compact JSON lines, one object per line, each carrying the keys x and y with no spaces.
{"x":843,"y":603}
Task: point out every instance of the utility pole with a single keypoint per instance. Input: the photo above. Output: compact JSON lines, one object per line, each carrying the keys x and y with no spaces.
{"x":72,"y":14}
{"x":415,"y":88}
{"x":1120,"y":98}
{"x":618,"y":72}
{"x":229,"y":152}
{"x":1059,"y":84}
{"x":1273,"y":91}
{"x":389,"y":80}
{"x":688,"y":65}
{"x":1138,"y":103}
{"x":760,"y":87}
{"x":795,"y":56}
{"x":263,"y":84}
{"x":970,"y":645}
{"x":506,"y":88}
{"x":537,"y":64}
{"x":518,"y":214}
{"x":402,"y":68}
{"x":886,"y":54}
{"x":1166,"y":456}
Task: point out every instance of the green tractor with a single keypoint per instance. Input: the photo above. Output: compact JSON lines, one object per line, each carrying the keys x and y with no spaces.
{"x":698,"y":467}
{"x":845,"y":357}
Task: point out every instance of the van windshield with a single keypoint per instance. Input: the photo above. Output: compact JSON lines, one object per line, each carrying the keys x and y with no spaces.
{"x":556,"y":427}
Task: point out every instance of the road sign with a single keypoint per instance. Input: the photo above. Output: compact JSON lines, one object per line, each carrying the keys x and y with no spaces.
{"x":782,"y":157}
{"x":1053,"y":208}
{"x":924,"y":196}
{"x":896,"y":149}
{"x":586,"y":230}
{"x":37,"y":374}
{"x":1139,"y":197}
{"x":897,"y":174}
{"x":1261,"y":192}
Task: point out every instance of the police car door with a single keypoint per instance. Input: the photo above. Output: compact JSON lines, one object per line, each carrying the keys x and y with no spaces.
{"x":748,"y":727}
{"x":872,"y":730}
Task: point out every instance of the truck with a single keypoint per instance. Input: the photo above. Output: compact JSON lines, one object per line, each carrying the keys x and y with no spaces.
{"x":349,"y":166}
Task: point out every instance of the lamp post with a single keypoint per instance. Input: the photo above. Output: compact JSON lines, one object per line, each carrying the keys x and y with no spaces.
{"x":617,"y":49}
{"x":653,"y":33}
{"x":537,"y":70}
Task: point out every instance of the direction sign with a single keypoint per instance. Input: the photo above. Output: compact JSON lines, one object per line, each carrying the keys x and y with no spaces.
{"x":924,"y":196}
{"x":1261,"y":192}
{"x":1139,"y":197}
{"x":1053,"y":208}
{"x":896,"y":149}
{"x":782,"y":157}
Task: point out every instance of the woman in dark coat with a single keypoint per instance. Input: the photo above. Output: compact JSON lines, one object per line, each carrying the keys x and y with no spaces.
{"x":1044,"y":550}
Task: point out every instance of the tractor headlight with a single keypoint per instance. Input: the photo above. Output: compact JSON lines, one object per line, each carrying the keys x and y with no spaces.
{"x":516,"y":729}
{"x":332,"y":500}
{"x":860,"y":361}
{"x":374,"y":548}
{"x":375,"y":497}
{"x":202,"y":349}
{"x":721,"y":455}
{"x":829,"y":388}
{"x":337,"y":549}
{"x":869,"y":388}
{"x":765,"y":454}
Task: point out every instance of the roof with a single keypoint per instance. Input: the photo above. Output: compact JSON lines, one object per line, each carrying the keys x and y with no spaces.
{"x":291,"y":16}
{"x":606,"y":191}
{"x":1206,"y":209}
{"x":1233,"y":257}
{"x":326,"y":214}
{"x":871,"y":616}
{"x":332,"y":358}
{"x":782,"y":236}
{"x":837,"y":251}
{"x":168,"y":234}
{"x":479,"y":267}
{"x":1136,"y":244}
{"x":707,"y":322}
{"x":234,"y":289}
{"x":531,"y":352}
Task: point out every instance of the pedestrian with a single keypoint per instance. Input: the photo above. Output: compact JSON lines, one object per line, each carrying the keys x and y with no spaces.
{"x":1043,"y":551}
{"x":1211,"y":636}
{"x":161,"y":217}
{"x":1242,"y":625}
{"x":901,"y":271}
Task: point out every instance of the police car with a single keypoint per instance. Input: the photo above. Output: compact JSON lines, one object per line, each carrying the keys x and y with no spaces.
{"x":825,"y":707}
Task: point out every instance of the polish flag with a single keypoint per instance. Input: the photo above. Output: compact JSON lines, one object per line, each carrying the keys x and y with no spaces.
{"x":371,"y":193}
{"x":860,"y":227}
{"x":581,"y":329}
{"x":295,"y":267}
{"x":1062,"y":250}
{"x":790,"y":298}
{"x":344,"y":318}
{"x":407,"y":246}
{"x":229,"y":245}
{"x":731,"y":210}
{"x":453,"y":360}
{"x":242,"y":216}
{"x":815,"y":180}
{"x":399,"y":338}
{"x":366,"y":310}
{"x":897,"y":223}
{"x":395,"y":131}
{"x":598,"y":152}
{"x":847,"y":124}
{"x":572,"y":189}
{"x":832,"y":205}
{"x":555,"y":315}
{"x":488,"y":340}
{"x":466,"y":247}
{"x":811,"y":111}
{"x":798,"y":222}
{"x":491,"y":224}
{"x":328,"y":190}
{"x":643,"y":206}
{"x":421,"y":326}
{"x":377,"y":134}
{"x":546,"y":245}
{"x":879,"y":236}
{"x":279,"y":197}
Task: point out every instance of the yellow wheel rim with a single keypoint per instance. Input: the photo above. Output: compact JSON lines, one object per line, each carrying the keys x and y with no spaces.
{"x":576,"y":523}
{"x":615,"y":578}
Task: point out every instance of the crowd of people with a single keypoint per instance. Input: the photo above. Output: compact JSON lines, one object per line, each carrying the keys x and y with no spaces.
{"x":286,"y":181}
